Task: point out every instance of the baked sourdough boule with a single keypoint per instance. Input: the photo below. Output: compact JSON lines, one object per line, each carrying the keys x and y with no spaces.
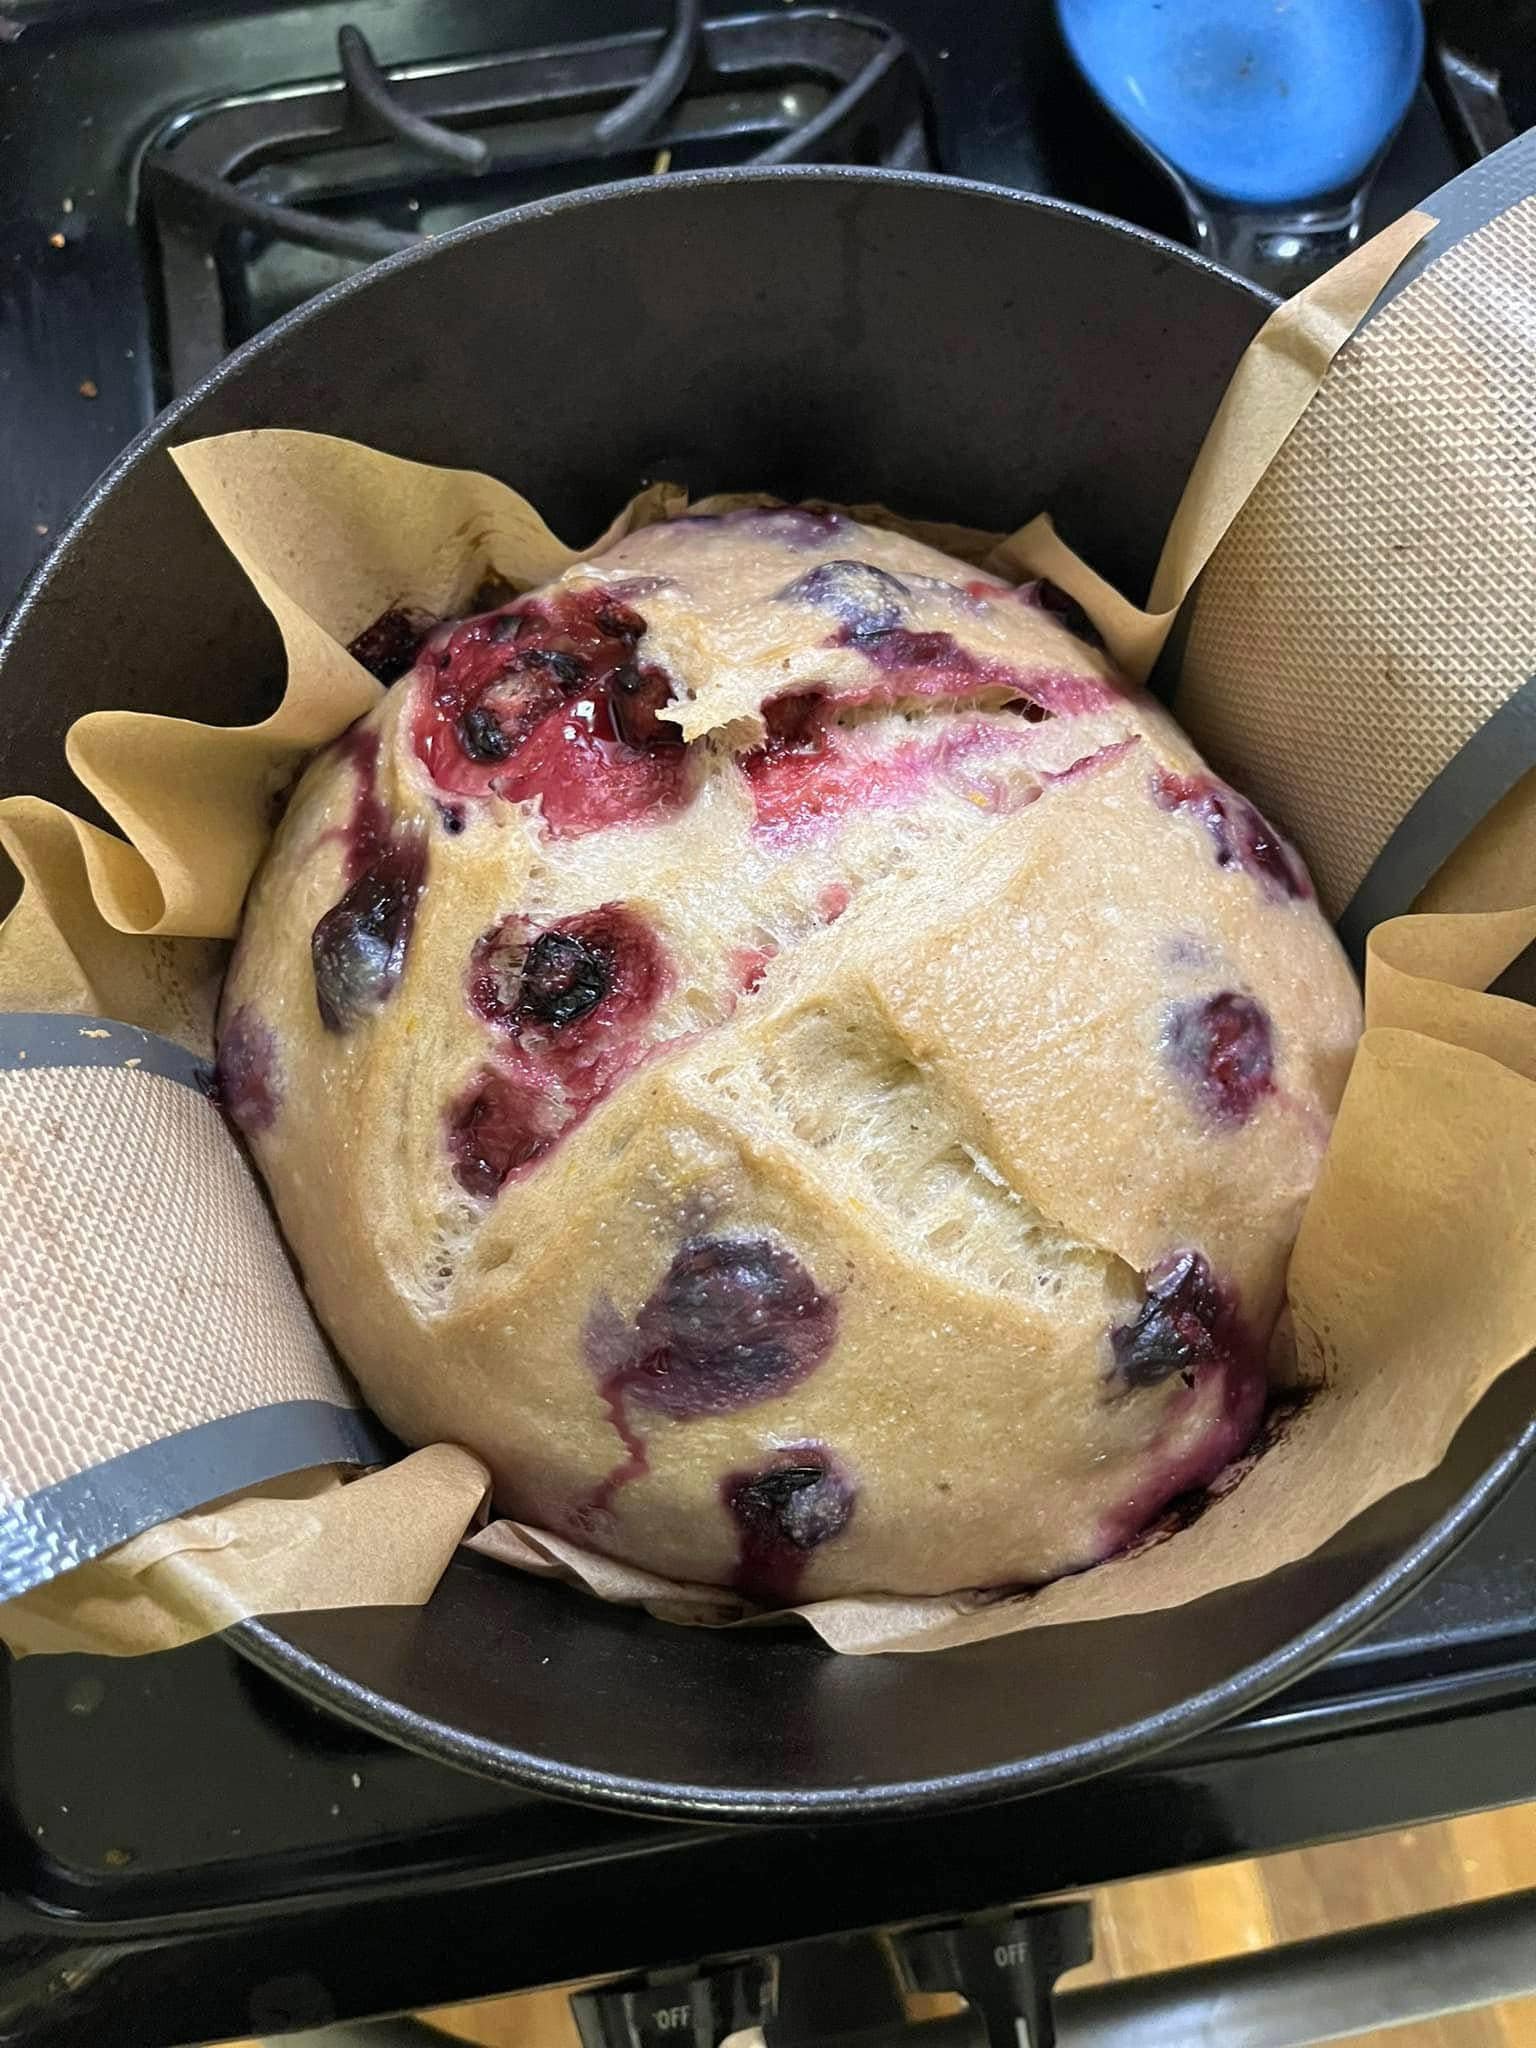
{"x":771,"y":1045}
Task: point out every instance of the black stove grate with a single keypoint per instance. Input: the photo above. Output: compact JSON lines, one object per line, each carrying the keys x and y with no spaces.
{"x":252,"y":204}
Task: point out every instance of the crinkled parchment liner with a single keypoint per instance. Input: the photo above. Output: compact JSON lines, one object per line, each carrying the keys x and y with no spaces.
{"x":1414,"y":1280}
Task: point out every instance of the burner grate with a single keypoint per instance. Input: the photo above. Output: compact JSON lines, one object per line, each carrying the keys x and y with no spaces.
{"x":250,"y":205}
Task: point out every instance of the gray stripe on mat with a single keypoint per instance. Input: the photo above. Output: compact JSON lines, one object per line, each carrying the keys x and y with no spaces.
{"x":76,"y":1519}
{"x":1485,"y":769}
{"x":42,"y":1039}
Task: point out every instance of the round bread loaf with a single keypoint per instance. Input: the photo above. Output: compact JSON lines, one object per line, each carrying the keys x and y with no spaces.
{"x":774,"y":1047}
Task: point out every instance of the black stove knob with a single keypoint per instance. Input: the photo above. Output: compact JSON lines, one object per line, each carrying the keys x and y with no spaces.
{"x":678,"y":2011}
{"x":1005,"y":1967}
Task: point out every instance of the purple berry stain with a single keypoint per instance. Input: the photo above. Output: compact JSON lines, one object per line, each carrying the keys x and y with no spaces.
{"x":607,"y":1343}
{"x":370,"y":822}
{"x":1241,"y":835}
{"x":936,"y":665}
{"x":388,"y":648}
{"x":799,"y":525}
{"x":784,"y":1511}
{"x":734,"y":1321}
{"x":1189,"y":1325}
{"x":499,"y":1125}
{"x":796,"y":526}
{"x":1050,"y":597}
{"x":1223,"y":1049}
{"x":248,"y":1084}
{"x":358,"y":948}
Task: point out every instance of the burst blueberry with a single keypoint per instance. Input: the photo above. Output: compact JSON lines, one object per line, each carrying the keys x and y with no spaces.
{"x":1223,"y":1048}
{"x":388,"y":648}
{"x":783,"y":1512}
{"x":1186,"y":1320}
{"x":735,"y":1321}
{"x":863,"y":598}
{"x":564,"y":976}
{"x":358,"y":948}
{"x":638,"y":694}
{"x":496,"y":1127}
{"x":482,"y":735}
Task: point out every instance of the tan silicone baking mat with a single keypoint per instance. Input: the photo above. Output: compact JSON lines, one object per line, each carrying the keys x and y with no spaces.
{"x":1401,"y":515}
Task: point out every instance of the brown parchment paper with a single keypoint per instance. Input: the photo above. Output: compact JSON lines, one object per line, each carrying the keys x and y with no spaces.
{"x":1414,"y":1280}
{"x":1272,"y":386}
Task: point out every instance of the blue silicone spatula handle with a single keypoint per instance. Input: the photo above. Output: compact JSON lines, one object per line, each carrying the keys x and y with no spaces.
{"x":1271,"y":116}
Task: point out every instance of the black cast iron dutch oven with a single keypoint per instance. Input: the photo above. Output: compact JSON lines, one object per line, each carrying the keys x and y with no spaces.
{"x":952,"y":351}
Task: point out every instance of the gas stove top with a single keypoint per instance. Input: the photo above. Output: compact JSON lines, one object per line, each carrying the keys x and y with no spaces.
{"x":189,"y":1852}
{"x":181,"y":173}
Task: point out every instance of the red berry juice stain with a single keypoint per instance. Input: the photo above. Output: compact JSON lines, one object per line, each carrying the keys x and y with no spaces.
{"x":809,"y":773}
{"x":1222,"y":1047}
{"x":569,"y":1004}
{"x":749,"y":964}
{"x":1241,"y":835}
{"x":549,"y":700}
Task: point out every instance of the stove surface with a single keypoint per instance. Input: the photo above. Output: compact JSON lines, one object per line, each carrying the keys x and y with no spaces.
{"x":191,"y":1853}
{"x":121,"y":279}
{"x":184,"y":1839}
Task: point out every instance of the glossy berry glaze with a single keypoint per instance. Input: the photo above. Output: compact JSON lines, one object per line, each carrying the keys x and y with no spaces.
{"x":548,"y":700}
{"x":567,"y":1006}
